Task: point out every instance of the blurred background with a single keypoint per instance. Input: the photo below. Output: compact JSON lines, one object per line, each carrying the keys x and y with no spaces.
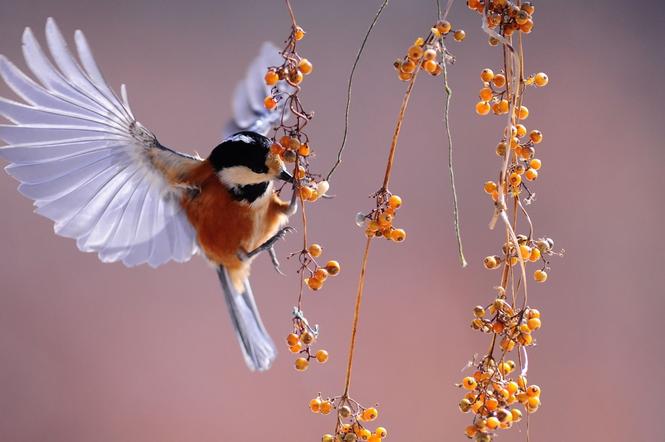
{"x":99,"y":352}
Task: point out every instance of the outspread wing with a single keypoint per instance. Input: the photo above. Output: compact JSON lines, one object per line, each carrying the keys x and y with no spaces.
{"x":87,"y":163}
{"x":249,"y":113}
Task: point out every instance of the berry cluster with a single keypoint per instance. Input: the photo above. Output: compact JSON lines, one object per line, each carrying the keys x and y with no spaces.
{"x":292,"y":144}
{"x":492,"y":396}
{"x":301,"y":341}
{"x":352,"y":420}
{"x":379,"y":222}
{"x":504,"y":17}
{"x":530,"y":250}
{"x":494,"y":391}
{"x":428,"y":53}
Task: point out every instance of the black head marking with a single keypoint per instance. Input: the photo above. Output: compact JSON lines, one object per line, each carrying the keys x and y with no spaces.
{"x":249,"y":193}
{"x":247,"y":149}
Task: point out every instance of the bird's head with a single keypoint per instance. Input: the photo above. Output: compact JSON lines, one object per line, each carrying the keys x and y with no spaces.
{"x":245,"y":159}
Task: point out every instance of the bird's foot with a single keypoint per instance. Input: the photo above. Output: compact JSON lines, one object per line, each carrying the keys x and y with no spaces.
{"x":268,"y":245}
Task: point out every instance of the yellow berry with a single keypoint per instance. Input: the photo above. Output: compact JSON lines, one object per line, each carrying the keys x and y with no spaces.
{"x":492,"y":423}
{"x":369,"y":414}
{"x":299,"y":33}
{"x":398,"y":235}
{"x":315,"y":250}
{"x":520,"y":130}
{"x":395,"y":201}
{"x":322,"y":356}
{"x":535,"y":164}
{"x":328,"y":438}
{"x":535,"y":254}
{"x":517,"y":414}
{"x":482,"y":108}
{"x":381,"y":432}
{"x":459,"y":35}
{"x":469,"y":383}
{"x":540,"y":276}
{"x":364,"y":434}
{"x":271,"y":78}
{"x":490,"y":186}
{"x":301,"y":364}
{"x":270,"y":103}
{"x":486,"y":75}
{"x":305,"y":66}
{"x":515,"y":179}
{"x":533,"y":323}
{"x":490,"y":262}
{"x":541,"y":79}
{"x":415,"y":52}
{"x":533,"y":313}
{"x":315,"y":405}
{"x":332,"y":267}
{"x":531,"y":174}
{"x":523,"y":113}
{"x":525,"y":251}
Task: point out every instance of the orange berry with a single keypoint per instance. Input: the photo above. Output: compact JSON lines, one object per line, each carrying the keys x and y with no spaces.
{"x":535,"y":254}
{"x":305,"y":66}
{"x":328,"y":438}
{"x":485,"y":94}
{"x":533,"y":313}
{"x":332,"y":267}
{"x":443,"y":27}
{"x":499,"y":80}
{"x":533,"y":323}
{"x":459,"y":35}
{"x":512,"y":387}
{"x":296,"y":77}
{"x":536,"y":136}
{"x":296,"y":348}
{"x":315,"y":405}
{"x":527,"y":27}
{"x":515,"y":179}
{"x":326,"y":407}
{"x":490,"y":186}
{"x":398,"y":235}
{"x":321,"y":274}
{"x":315,"y":250}
{"x":405,"y":76}
{"x":430,"y":66}
{"x":540,"y":276}
{"x":504,"y":106}
{"x":498,"y":327}
{"x":301,"y":364}
{"x":490,"y":262}
{"x":517,"y":414}
{"x":525,"y":251}
{"x":533,"y":403}
{"x":541,"y":79}
{"x":271,"y":78}
{"x":298,"y":33}
{"x":482,"y":108}
{"x":314,"y":283}
{"x":491,"y":404}
{"x":408,"y":66}
{"x":381,"y":432}
{"x":520,"y":130}
{"x":304,"y":150}
{"x":535,"y":164}
{"x":270,"y":103}
{"x":292,"y":339}
{"x":470,"y":431}
{"x":469,"y":383}
{"x":492,"y":422}
{"x":322,"y":356}
{"x":531,"y":174}
{"x":429,"y":54}
{"x":395,"y":201}
{"x":486,"y":75}
{"x":415,"y":52}
{"x":523,"y":113}
{"x":306,"y":192}
{"x":369,"y":414}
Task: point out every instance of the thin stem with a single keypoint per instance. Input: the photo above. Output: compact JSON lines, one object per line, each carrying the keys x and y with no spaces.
{"x":348,"y":91}
{"x":446,"y":120}
{"x":293,"y":17}
{"x":398,"y":128}
{"x":356,"y":317}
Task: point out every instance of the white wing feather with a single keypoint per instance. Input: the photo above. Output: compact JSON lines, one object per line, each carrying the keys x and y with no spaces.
{"x":249,"y":112}
{"x":78,"y":152}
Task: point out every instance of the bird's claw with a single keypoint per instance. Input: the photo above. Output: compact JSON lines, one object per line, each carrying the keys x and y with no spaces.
{"x":275,"y":262}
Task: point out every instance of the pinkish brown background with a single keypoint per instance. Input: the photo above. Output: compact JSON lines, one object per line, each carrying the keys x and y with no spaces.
{"x":98,"y":352}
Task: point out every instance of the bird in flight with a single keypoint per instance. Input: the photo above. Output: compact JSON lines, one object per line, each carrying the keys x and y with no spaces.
{"x":107,"y":182}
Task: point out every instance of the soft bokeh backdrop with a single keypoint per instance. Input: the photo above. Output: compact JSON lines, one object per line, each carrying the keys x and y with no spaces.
{"x":98,"y":352}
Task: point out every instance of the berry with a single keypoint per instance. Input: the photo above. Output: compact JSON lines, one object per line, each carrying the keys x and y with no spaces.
{"x":304,"y":150}
{"x":307,"y":338}
{"x":415,"y":52}
{"x":492,"y":423}
{"x":535,"y":254}
{"x":485,"y":94}
{"x":305,"y":66}
{"x":398,"y":235}
{"x":540,"y":276}
{"x":469,"y":383}
{"x":328,"y":438}
{"x":533,"y":323}
{"x":536,"y":136}
{"x":299,"y":33}
{"x":535,"y":164}
{"x":315,"y":250}
{"x":270,"y":103}
{"x":541,"y":79}
{"x":499,"y":80}
{"x":332,"y":267}
{"x":486,"y":75}
{"x":301,"y":364}
{"x":482,"y":108}
{"x":459,"y":35}
{"x":381,"y":432}
{"x":326,"y":407}
{"x":523,"y":113}
{"x":443,"y":27}
{"x":322,"y":356}
{"x":369,"y":414}
{"x":271,"y":78}
{"x":515,"y":179}
{"x":292,"y":339}
{"x":296,"y":348}
{"x":314,"y":283}
{"x":395,"y":202}
{"x":321,"y":274}
{"x":531,"y":174}
{"x":315,"y":405}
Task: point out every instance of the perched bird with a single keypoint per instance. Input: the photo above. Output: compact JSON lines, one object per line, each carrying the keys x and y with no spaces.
{"x":106,"y":181}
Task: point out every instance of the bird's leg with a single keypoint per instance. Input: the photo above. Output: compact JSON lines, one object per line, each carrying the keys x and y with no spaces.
{"x":292,"y":208}
{"x":267,"y":246}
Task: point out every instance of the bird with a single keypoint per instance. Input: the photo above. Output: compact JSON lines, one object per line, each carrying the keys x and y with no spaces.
{"x":107,"y":182}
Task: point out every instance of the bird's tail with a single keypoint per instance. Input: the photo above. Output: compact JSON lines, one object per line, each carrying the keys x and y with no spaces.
{"x":257,"y":346}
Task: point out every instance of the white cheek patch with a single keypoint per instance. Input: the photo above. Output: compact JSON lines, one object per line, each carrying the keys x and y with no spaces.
{"x":241,"y":176}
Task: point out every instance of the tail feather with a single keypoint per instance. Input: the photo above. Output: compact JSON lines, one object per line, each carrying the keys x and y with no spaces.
{"x":257,"y":346}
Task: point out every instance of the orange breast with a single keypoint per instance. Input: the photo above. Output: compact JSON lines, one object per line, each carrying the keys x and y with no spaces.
{"x":223,"y":225}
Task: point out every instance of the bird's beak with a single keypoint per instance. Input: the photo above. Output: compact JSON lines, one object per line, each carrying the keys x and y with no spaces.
{"x":285,"y":176}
